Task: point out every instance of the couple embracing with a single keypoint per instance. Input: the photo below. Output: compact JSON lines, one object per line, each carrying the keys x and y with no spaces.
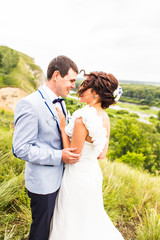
{"x":62,"y":174}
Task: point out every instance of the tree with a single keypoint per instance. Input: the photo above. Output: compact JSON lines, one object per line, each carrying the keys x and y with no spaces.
{"x":133,"y":159}
{"x":8,"y":59}
{"x":134,"y":137}
{"x":127,"y":136}
{"x":149,"y":98}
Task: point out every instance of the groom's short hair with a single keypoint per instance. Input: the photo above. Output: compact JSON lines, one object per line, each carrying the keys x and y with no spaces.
{"x":61,"y":64}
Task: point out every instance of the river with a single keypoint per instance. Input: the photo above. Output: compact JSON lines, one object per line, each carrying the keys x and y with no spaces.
{"x":142,"y":116}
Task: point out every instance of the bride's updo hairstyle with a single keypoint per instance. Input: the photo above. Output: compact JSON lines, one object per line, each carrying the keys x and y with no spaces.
{"x":103,"y":84}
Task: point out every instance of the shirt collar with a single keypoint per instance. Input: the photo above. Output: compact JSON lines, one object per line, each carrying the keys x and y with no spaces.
{"x":49,"y":92}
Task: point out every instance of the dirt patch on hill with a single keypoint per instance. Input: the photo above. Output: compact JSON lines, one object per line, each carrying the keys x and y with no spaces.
{"x":9,"y":97}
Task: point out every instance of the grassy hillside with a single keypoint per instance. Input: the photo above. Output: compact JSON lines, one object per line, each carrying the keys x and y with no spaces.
{"x":131,"y":194}
{"x":132,"y":200}
{"x":18,"y":70}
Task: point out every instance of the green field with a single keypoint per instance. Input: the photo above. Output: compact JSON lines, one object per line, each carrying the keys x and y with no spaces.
{"x":131,"y":191}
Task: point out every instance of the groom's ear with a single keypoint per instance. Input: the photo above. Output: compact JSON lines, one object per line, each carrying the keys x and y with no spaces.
{"x":56,"y":75}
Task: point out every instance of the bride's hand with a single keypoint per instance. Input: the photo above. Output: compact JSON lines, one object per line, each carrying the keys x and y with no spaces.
{"x":61,"y":118}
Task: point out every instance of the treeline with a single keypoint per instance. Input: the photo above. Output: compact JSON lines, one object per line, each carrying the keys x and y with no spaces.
{"x":135,"y":143}
{"x":8,"y":59}
{"x":142,"y":94}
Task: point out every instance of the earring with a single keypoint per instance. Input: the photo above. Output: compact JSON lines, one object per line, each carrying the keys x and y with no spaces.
{"x":94,"y":96}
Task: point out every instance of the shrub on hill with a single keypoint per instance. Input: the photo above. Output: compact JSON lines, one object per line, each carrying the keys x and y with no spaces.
{"x":122,"y":112}
{"x":18,"y":70}
{"x":8,"y":59}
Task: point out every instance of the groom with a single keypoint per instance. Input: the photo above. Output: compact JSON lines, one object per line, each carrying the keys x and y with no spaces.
{"x":37,"y":140}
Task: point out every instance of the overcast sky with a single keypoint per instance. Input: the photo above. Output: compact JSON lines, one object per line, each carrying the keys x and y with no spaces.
{"x":121,"y":37}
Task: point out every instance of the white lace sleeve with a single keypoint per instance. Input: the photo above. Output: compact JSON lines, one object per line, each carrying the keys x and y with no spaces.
{"x":69,"y":128}
{"x":93,"y":123}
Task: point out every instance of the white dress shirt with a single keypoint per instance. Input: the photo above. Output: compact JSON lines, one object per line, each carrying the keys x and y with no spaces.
{"x":51,"y":95}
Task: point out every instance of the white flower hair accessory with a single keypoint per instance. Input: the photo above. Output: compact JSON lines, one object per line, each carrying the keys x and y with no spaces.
{"x":117,"y":93}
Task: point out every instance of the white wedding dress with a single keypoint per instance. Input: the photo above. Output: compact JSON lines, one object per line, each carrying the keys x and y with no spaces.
{"x":79,"y":212}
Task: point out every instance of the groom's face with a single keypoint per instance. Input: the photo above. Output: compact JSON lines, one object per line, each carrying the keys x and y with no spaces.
{"x":64,"y":85}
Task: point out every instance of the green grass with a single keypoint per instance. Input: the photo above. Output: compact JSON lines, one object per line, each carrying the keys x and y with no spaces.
{"x":131,"y":196}
{"x":149,"y":226}
{"x":14,"y":209}
{"x":132,"y":200}
{"x":15,"y":216}
{"x":139,"y":108}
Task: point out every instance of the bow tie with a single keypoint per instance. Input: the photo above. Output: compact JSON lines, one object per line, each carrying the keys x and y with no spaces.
{"x":58,"y":100}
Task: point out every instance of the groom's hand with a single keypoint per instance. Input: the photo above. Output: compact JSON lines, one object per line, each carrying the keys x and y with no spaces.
{"x":69,"y":157}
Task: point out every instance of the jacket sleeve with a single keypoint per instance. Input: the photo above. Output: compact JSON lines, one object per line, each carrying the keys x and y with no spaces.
{"x":25,"y":135}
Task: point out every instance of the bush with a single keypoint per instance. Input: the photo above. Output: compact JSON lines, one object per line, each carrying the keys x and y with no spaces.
{"x":151,"y":117}
{"x":110,"y":115}
{"x":133,"y":159}
{"x":8,"y":58}
{"x":2,"y":111}
{"x":158,"y":127}
{"x":143,"y":101}
{"x":122,"y":112}
{"x":145,"y":108}
{"x":9,"y":81}
{"x":135,"y":115}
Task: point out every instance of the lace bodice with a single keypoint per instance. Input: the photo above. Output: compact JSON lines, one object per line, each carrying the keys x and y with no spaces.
{"x":94,"y":125}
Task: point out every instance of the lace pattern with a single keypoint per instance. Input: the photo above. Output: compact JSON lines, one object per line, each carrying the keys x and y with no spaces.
{"x":93,"y":123}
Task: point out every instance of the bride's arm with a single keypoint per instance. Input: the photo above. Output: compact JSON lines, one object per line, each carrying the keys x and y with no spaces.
{"x":79,"y":133}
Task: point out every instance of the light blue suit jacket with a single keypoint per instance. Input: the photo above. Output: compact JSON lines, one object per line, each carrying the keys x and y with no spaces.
{"x":37,"y":140}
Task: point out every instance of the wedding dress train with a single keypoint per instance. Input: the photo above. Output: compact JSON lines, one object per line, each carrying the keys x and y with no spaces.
{"x":79,"y":212}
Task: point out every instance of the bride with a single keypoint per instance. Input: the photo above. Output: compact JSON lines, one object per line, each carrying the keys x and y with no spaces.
{"x":79,"y":212}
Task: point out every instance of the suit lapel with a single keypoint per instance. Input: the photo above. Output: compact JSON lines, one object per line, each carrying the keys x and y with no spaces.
{"x":50,"y":105}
